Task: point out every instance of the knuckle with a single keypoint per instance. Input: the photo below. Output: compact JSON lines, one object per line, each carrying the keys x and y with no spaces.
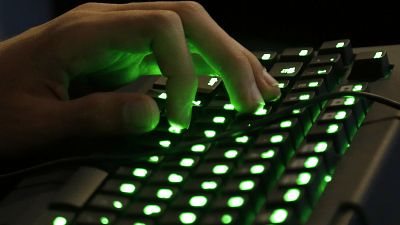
{"x":189,"y":7}
{"x":87,"y":6}
{"x":164,"y":20}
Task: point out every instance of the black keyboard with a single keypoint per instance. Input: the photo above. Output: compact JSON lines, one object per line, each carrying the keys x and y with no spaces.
{"x":321,"y":163}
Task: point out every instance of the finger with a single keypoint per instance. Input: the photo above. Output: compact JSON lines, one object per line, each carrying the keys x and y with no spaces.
{"x":217,"y":48}
{"x":142,"y":32}
{"x":111,"y":114}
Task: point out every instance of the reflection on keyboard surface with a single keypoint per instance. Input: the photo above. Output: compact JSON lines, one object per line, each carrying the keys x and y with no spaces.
{"x":273,"y":176}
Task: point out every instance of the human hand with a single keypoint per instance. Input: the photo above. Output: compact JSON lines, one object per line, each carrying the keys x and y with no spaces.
{"x":112,"y":45}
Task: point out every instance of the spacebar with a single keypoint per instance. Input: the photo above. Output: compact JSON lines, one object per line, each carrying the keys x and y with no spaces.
{"x":86,"y":180}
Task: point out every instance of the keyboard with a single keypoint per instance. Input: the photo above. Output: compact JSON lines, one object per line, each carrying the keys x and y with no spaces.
{"x":330,"y":162}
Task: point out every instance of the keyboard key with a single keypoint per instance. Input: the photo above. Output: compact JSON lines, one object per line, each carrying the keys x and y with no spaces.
{"x":267,"y":58}
{"x":321,"y":148}
{"x":147,"y":209}
{"x":275,"y":216}
{"x":297,"y":54}
{"x":214,"y":169}
{"x":316,"y":84}
{"x":172,"y":177}
{"x":244,"y":185}
{"x":135,"y":222}
{"x":329,"y":132}
{"x":159,"y":192}
{"x":198,"y":200}
{"x":174,"y":217}
{"x":370,"y":66}
{"x":334,"y":60}
{"x":203,"y":185}
{"x":224,"y":153}
{"x":325,"y":72}
{"x":285,"y":69}
{"x":220,"y":218}
{"x":227,"y":202}
{"x":343,"y":47}
{"x":95,"y":218}
{"x":294,"y":198}
{"x":121,"y":187}
{"x":54,"y":217}
{"x":108,"y":202}
{"x":138,"y":173}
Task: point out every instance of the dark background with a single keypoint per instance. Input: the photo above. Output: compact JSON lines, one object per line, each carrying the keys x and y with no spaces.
{"x":288,"y":22}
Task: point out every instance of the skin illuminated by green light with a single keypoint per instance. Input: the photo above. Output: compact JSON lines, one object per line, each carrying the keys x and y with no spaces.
{"x":186,"y":162}
{"x":187,"y":217}
{"x":209,"y":185}
{"x":303,"y":178}
{"x":175,"y":129}
{"x":230,"y":154}
{"x":229,"y":107}
{"x":198,"y":148}
{"x":140,"y":172}
{"x":175,"y":178}
{"x":340,"y":115}
{"x":164,"y":193}
{"x":332,"y":128}
{"x":286,"y":123}
{"x":321,"y":146}
{"x":291,"y":195}
{"x":127,"y":188}
{"x":268,"y":154}
{"x":304,"y":97}
{"x":151,"y":209}
{"x":219,"y":119}
{"x":118,"y":204}
{"x":246,"y":185}
{"x":235,"y":201}
{"x":59,"y":220}
{"x":210,"y":133}
{"x":311,"y":162}
{"x":165,"y":143}
{"x":278,"y":216}
{"x":198,"y":201}
{"x":104,"y":220}
{"x":226,"y":219}
{"x":257,"y":169}
{"x":276,"y":138}
{"x":242,"y":139}
{"x":220,"y":169}
{"x":349,"y":100}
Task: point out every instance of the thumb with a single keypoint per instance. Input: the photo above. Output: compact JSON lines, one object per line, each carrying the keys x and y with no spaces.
{"x":112,"y":114}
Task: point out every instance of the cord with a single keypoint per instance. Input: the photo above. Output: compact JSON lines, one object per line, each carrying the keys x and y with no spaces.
{"x":254,"y":126}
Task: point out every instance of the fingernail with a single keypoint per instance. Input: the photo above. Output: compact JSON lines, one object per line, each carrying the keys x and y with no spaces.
{"x":270,"y":80}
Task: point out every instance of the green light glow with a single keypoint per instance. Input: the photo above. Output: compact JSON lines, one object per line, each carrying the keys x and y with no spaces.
{"x":357,"y":87}
{"x":311,"y":162}
{"x":187,"y":217}
{"x":340,"y":115}
{"x":198,"y":201}
{"x":349,"y":100}
{"x":242,"y":139}
{"x":229,"y":107}
{"x":281,"y":85}
{"x":296,"y":111}
{"x":257,"y":169}
{"x":303,"y":178}
{"x":268,"y":154}
{"x":220,"y":169}
{"x":162,"y":96}
{"x":304,"y":97}
{"x":186,"y":162}
{"x":140,"y":172}
{"x":261,"y":111}
{"x":175,"y":129}
{"x":332,"y":59}
{"x":196,"y":103}
{"x":235,"y":201}
{"x":313,"y":84}
{"x":226,"y":219}
{"x":303,"y":52}
{"x":333,"y":128}
{"x":219,"y":119}
{"x":378,"y":55}
{"x":212,"y":81}
{"x":322,"y":71}
{"x":340,"y":44}
{"x":127,"y":188}
{"x":165,"y":143}
{"x":278,"y":216}
{"x":290,"y":70}
{"x":286,"y":123}
{"x":209,"y":185}
{"x":59,"y":220}
{"x":154,"y":159}
{"x":139,"y":223}
{"x":266,"y":56}
{"x":210,"y":133}
{"x":164,"y":193}
{"x":198,"y":148}
{"x":175,"y":178}
{"x":321,"y":146}
{"x":118,"y":204}
{"x":246,"y":185}
{"x":328,"y":178}
{"x":230,"y":154}
{"x":104,"y":220}
{"x":276,"y":138}
{"x":291,"y":195}
{"x":151,"y":210}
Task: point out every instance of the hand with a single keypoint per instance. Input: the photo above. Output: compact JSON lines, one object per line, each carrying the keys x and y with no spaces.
{"x":112,"y":45}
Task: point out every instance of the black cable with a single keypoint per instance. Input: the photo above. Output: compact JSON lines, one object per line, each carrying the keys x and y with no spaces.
{"x":256,"y":125}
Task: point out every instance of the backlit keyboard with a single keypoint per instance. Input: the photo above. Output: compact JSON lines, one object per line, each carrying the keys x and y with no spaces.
{"x":272,"y":175}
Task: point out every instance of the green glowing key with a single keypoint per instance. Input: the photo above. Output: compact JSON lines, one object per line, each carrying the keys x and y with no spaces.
{"x":164,"y":193}
{"x":278,"y":216}
{"x":304,"y":97}
{"x":127,"y":188}
{"x":151,"y":210}
{"x":220,"y":169}
{"x":229,"y":107}
{"x":261,"y":111}
{"x":349,"y":100}
{"x":59,"y":220}
{"x":175,"y":178}
{"x":198,"y":201}
{"x":340,"y":44}
{"x":219,"y":119}
{"x":162,"y":96}
{"x":328,"y":178}
{"x":118,"y":204}
{"x":311,"y":162}
{"x":231,"y":153}
{"x":267,"y":154}
{"x":235,"y":201}
{"x":246,"y":185}
{"x":378,"y":55}
{"x":303,"y":52}
{"x":140,"y":172}
{"x":210,"y":133}
{"x":242,"y":139}
{"x":313,"y":84}
{"x":321,"y":146}
{"x":303,"y":178}
{"x":187,"y":217}
{"x":276,"y":138}
{"x":285,"y":124}
{"x":209,"y":185}
{"x":186,"y":162}
{"x":198,"y":148}
{"x":226,"y":219}
{"x":154,"y":159}
{"x":104,"y":220}
{"x":165,"y":143}
{"x":357,"y":87}
{"x":340,"y":115}
{"x":175,"y":129}
{"x":332,"y":128}
{"x":291,"y":195}
{"x":257,"y":169}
